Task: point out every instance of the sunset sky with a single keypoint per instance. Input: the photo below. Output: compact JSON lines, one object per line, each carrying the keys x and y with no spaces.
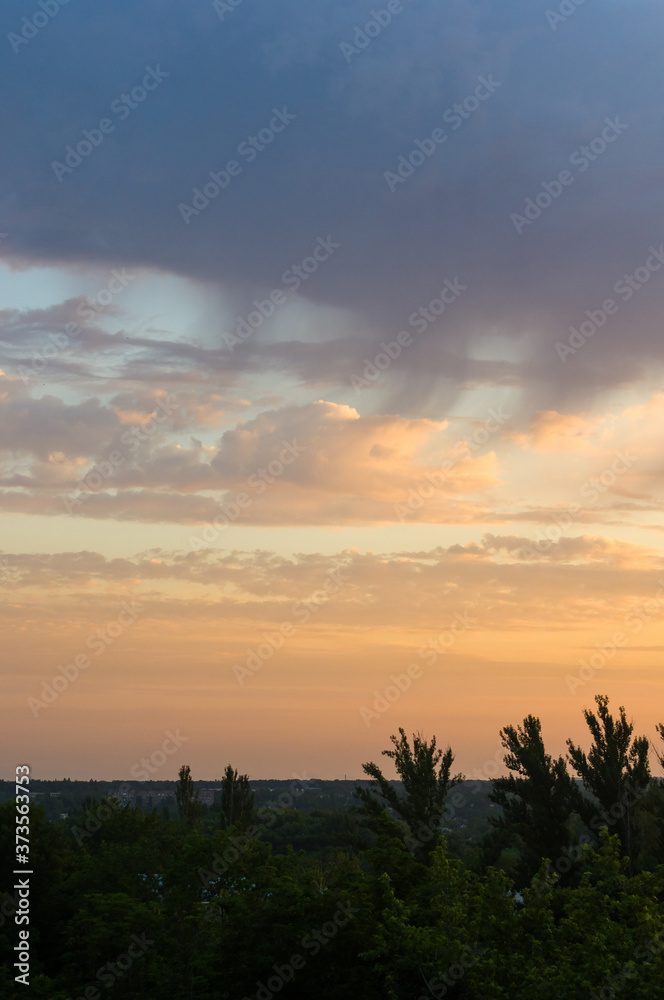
{"x":394,"y":377}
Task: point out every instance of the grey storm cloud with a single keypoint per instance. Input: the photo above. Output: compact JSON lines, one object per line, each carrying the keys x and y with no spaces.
{"x":532,"y":94}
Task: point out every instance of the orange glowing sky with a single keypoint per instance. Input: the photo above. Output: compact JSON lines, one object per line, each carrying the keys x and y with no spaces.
{"x":534,"y":535}
{"x":335,"y":453}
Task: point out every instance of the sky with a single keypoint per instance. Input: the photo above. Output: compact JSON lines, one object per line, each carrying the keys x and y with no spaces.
{"x":332,"y":388}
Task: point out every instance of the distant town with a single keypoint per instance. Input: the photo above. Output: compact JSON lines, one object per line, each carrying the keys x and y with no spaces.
{"x":60,"y":798}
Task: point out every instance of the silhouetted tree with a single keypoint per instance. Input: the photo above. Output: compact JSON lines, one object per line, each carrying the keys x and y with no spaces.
{"x":616,"y":771}
{"x":425,"y":772}
{"x":186,"y":796}
{"x":237,"y":799}
{"x":660,"y":756}
{"x":538,"y":799}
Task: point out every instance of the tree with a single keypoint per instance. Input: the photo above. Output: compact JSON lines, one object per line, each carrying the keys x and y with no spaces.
{"x":660,"y":730}
{"x":186,"y":796}
{"x":424,"y":771}
{"x":538,"y":799}
{"x":616,"y":770}
{"x":237,"y":799}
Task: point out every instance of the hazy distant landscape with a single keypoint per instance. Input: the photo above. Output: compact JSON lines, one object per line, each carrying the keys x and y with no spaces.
{"x":74,"y":805}
{"x":368,"y":888}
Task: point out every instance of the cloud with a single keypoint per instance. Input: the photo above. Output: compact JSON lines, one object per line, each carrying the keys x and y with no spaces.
{"x":46,"y":425}
{"x":325,"y":174}
{"x":318,"y":463}
{"x":578,"y":581}
{"x":551,"y":431}
{"x":582,"y":549}
{"x":342,"y":452}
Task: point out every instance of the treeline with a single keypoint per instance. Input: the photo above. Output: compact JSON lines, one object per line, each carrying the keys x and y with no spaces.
{"x":561,"y":899}
{"x":63,"y":796}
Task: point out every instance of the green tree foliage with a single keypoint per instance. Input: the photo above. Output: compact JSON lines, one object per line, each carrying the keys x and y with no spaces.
{"x":538,"y":799}
{"x":615,"y":771}
{"x":475,"y":938}
{"x":237,"y":799}
{"x":148,"y":907}
{"x":425,"y":773}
